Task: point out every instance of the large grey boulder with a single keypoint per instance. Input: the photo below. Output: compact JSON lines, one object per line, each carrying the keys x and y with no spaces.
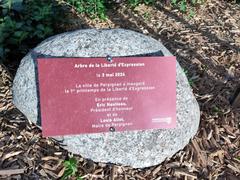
{"x":137,"y":148}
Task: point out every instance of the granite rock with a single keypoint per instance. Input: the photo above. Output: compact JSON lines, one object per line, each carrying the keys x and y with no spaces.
{"x":138,"y":149}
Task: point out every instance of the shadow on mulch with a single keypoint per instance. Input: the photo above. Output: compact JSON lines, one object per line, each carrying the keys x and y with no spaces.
{"x":174,"y":46}
{"x":211,"y":93}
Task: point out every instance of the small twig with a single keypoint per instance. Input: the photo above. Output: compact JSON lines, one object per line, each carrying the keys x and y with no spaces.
{"x":8,"y":172}
{"x":113,"y":171}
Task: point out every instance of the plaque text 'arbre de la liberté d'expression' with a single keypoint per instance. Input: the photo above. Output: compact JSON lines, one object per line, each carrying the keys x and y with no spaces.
{"x":91,"y":95}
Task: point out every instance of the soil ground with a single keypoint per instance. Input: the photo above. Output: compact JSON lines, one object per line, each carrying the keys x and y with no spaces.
{"x":207,"y":47}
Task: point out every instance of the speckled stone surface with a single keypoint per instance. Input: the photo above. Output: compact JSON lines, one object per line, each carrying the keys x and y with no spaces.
{"x":137,"y":148}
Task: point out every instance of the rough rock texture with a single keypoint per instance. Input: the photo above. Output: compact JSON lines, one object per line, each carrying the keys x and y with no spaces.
{"x":136,"y":148}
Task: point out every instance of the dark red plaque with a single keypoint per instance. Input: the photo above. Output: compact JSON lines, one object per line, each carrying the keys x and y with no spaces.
{"x":92,"y":95}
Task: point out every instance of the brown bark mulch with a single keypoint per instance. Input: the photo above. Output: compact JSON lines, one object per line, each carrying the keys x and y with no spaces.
{"x":208,"y":48}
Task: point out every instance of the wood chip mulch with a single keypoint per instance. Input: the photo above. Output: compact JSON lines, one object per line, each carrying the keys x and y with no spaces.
{"x":208,"y":48}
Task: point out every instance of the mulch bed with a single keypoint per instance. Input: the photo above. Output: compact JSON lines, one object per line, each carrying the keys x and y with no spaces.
{"x":208,"y":48}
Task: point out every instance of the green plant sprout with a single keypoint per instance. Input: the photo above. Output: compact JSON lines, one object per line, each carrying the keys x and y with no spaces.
{"x":190,"y":80}
{"x":216,"y":109}
{"x":70,"y":169}
{"x":147,"y":15}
